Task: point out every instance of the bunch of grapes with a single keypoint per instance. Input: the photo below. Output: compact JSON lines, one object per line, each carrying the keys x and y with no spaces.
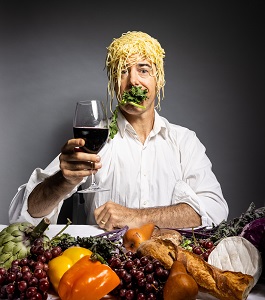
{"x":203,"y":248}
{"x":142,"y":278}
{"x":27,"y":278}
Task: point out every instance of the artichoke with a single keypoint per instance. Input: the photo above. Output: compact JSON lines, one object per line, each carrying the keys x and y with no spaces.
{"x":17,"y":239}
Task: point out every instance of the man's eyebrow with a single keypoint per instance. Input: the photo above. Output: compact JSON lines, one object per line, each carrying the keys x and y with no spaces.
{"x":144,"y":65}
{"x":140,"y":65}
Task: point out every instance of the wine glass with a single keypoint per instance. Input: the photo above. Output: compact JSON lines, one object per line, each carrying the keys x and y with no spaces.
{"x":91,"y":124}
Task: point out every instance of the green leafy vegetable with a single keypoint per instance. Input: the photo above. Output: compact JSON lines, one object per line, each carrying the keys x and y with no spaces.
{"x":134,"y":96}
{"x":236,"y":225}
{"x":113,"y":128}
{"x":227,"y":228}
{"x":104,"y":245}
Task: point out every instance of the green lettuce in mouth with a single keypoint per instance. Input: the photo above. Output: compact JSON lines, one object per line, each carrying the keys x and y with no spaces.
{"x":134,"y":96}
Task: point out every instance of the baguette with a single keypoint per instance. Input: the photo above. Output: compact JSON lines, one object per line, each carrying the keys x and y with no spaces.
{"x":224,"y":285}
{"x":162,"y":249}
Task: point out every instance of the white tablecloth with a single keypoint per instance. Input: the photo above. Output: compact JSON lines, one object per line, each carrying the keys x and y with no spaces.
{"x":257,"y":293}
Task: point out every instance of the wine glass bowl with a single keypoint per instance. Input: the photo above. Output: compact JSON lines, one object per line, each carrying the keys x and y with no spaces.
{"x":91,"y":124}
{"x":95,"y":138}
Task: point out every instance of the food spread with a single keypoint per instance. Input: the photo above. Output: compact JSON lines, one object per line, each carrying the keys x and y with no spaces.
{"x":162,"y":264}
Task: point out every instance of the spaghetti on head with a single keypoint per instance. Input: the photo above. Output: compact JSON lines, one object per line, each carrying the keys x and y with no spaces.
{"x":127,"y":46}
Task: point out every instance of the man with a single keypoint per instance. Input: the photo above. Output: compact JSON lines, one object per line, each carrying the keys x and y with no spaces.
{"x":156,"y":171}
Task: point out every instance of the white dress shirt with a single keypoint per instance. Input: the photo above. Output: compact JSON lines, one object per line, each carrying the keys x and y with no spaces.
{"x":171,"y":167}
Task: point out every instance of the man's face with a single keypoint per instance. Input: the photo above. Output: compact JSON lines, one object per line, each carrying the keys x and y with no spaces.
{"x":139,"y":72}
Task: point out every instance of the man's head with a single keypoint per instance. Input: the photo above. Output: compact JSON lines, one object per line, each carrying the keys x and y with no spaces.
{"x":134,"y":44}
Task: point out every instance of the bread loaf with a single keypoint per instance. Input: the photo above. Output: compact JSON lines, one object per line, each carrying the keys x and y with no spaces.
{"x":163,"y":246}
{"x":224,"y":285}
{"x":163,"y":250}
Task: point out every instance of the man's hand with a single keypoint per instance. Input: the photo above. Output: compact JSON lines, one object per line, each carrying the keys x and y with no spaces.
{"x":112,"y":215}
{"x":76,"y":164}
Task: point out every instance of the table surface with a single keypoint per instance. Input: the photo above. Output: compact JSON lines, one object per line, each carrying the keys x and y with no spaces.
{"x":257,"y":293}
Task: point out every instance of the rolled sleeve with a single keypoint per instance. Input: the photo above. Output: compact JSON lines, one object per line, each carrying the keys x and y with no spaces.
{"x":210,"y":215}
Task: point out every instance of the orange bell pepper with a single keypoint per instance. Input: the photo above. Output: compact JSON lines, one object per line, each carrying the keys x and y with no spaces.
{"x":60,"y":264}
{"x":87,"y":279}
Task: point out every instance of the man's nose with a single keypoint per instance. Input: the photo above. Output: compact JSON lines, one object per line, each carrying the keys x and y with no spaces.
{"x":134,"y":76}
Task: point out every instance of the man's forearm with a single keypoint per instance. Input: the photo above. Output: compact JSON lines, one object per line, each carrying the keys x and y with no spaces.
{"x":46,"y":195}
{"x":175,"y":216}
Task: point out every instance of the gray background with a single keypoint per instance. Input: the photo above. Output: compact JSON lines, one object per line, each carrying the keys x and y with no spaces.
{"x":52,"y":54}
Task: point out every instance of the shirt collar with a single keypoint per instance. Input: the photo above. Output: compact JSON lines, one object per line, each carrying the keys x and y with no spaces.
{"x":158,"y":128}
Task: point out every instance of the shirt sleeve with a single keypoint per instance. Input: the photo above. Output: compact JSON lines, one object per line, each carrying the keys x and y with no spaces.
{"x":18,"y":209}
{"x":199,"y":186}
{"x":183,"y":193}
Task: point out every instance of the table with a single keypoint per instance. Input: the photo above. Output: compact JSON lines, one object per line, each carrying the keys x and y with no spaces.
{"x":257,"y":293}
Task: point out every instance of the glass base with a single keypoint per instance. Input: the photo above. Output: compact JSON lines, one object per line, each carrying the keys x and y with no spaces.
{"x":93,"y":189}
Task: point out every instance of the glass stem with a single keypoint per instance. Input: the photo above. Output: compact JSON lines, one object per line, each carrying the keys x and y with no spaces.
{"x":93,"y":182}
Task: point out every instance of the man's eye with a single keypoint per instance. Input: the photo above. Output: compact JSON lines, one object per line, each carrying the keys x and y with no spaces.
{"x":144,"y":71}
{"x":123,"y":72}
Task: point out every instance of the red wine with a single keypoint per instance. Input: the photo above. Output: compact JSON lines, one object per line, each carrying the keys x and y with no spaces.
{"x":95,"y":138}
